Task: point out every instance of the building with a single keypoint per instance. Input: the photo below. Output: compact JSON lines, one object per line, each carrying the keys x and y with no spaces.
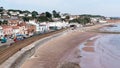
{"x":14,"y":13}
{"x":31,"y":29}
{"x":33,"y":22}
{"x":13,"y":22}
{"x":44,"y":27}
{"x":16,"y":30}
{"x":7,"y":30}
{"x":57,"y":25}
{"x":23,"y":28}
{"x":98,"y":20}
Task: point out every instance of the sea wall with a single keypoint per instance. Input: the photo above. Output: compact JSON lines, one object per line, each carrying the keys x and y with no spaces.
{"x":21,"y":56}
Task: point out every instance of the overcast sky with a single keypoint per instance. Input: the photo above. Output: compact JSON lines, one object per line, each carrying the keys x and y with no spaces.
{"x":96,"y":7}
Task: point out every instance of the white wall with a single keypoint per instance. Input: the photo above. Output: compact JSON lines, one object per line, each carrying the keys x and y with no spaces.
{"x":16,"y":31}
{"x":58,"y":24}
{"x":34,"y":23}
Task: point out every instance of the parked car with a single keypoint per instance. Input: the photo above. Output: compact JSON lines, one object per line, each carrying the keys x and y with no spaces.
{"x":3,"y":40}
{"x":18,"y":38}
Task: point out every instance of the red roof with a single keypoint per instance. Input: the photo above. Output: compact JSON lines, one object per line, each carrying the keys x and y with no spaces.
{"x":15,"y":27}
{"x":5,"y":26}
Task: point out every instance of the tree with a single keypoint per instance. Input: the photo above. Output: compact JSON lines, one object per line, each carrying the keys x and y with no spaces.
{"x":42,"y":19}
{"x":56,"y":14}
{"x":83,"y":20}
{"x":26,"y":18}
{"x":34,"y":14}
{"x":26,"y":11}
{"x":0,"y":22}
{"x":67,"y":17}
{"x":48,"y":15}
{"x":1,"y":9}
{"x":5,"y":22}
{"x":74,"y":21}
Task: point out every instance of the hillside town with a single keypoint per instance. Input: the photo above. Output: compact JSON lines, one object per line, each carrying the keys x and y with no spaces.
{"x":15,"y":23}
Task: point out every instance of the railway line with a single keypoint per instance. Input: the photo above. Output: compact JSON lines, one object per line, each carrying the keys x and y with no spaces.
{"x":11,"y":50}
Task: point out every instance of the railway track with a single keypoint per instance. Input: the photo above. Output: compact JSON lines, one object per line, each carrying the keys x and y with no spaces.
{"x":8,"y":52}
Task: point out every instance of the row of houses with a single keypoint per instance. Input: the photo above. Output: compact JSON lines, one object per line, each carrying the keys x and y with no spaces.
{"x":15,"y":27}
{"x":7,"y":14}
{"x":22,"y":28}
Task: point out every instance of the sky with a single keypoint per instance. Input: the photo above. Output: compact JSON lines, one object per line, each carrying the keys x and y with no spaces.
{"x":95,"y":7}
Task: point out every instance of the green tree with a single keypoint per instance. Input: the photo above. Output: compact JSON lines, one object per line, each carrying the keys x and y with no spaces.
{"x":83,"y":20}
{"x":1,"y":9}
{"x":56,"y":14}
{"x":5,"y":22}
{"x":26,"y":11}
{"x":34,"y":14}
{"x":26,"y":18}
{"x":42,"y":19}
{"x":0,"y":22}
{"x":74,"y":21}
{"x":48,"y":15}
{"x":67,"y":17}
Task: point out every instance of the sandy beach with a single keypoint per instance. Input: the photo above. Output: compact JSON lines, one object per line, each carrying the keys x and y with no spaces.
{"x":65,"y":51}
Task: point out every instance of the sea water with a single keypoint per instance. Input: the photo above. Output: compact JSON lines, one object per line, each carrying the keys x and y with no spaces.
{"x":107,"y":51}
{"x":112,"y":28}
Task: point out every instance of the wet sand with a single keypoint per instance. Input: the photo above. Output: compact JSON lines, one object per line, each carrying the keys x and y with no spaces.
{"x":89,"y":59}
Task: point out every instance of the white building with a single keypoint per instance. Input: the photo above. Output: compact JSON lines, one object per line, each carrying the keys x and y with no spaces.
{"x":103,"y":21}
{"x":34,"y":23}
{"x":57,"y":25}
{"x":16,"y":30}
{"x":29,"y":15}
{"x":98,"y":20}
{"x":14,"y":13}
{"x":44,"y":27}
{"x":21,"y":15}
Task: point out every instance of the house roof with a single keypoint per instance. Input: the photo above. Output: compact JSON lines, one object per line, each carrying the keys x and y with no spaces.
{"x":5,"y":26}
{"x":15,"y":27}
{"x":22,"y":24}
{"x":13,"y":21}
